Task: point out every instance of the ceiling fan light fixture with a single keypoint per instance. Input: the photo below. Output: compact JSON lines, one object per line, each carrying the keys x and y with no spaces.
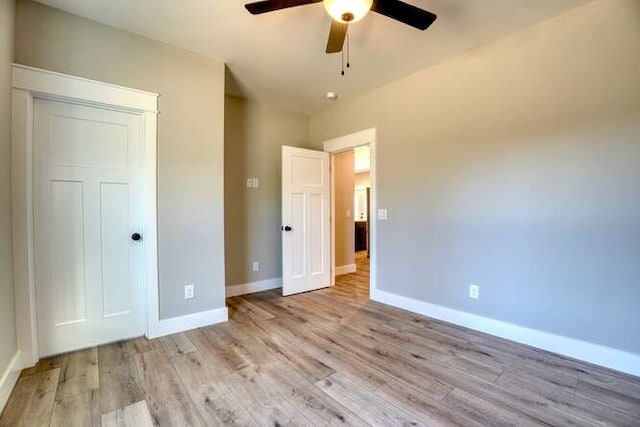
{"x":347,"y":11}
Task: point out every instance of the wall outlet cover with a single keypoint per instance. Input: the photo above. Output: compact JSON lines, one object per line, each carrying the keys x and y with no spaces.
{"x":256,"y":266}
{"x":382,"y":214}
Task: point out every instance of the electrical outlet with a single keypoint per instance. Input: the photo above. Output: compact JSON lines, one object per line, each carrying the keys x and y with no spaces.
{"x":474,"y":291}
{"x":249,"y":183}
{"x":188,"y":291}
{"x":256,"y":266}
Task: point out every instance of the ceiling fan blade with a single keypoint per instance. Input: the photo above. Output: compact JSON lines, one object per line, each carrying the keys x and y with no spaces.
{"x":264,"y":6}
{"x":337,"y":35}
{"x":405,"y":13}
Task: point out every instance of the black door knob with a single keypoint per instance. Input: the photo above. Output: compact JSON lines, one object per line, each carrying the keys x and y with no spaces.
{"x":287,"y":228}
{"x":136,"y":237}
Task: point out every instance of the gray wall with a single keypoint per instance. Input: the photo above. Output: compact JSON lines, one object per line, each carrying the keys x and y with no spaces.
{"x":190,"y":137}
{"x":7,"y":318}
{"x":254,"y":134}
{"x":516,"y":166}
{"x":344,"y":184}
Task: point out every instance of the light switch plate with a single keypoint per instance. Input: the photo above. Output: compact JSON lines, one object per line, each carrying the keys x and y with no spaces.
{"x":382,"y":214}
{"x":474,"y":291}
{"x":256,"y":183}
{"x":249,"y":183}
{"x":188,"y":291}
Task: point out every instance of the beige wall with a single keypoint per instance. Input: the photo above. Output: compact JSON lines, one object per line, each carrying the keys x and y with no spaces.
{"x":7,"y":318}
{"x":516,"y":167}
{"x":190,"y":137}
{"x":254,"y":135}
{"x":362,"y":180}
{"x":344,"y":178}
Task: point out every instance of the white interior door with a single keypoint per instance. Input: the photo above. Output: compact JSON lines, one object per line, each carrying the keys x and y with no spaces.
{"x":305,"y":220}
{"x":88,"y":205}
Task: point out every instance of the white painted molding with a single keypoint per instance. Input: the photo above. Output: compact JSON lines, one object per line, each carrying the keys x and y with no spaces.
{"x":188,"y":322}
{"x":581,"y":350}
{"x":345,"y":269}
{"x":9,"y":379}
{"x":253,"y":287}
{"x":22,"y":225}
{"x":150,"y":225}
{"x":352,"y":140}
{"x":33,"y":83}
{"x":52,"y":84}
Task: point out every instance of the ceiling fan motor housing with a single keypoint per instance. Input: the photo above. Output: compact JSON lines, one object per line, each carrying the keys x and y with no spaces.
{"x":347,"y":11}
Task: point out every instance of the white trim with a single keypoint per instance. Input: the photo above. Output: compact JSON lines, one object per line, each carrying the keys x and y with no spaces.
{"x":253,"y":287}
{"x":150,"y":225}
{"x":38,"y":81}
{"x":22,"y":226}
{"x":187,"y":322}
{"x":32,"y":83}
{"x":345,"y":269}
{"x":582,"y":350}
{"x":9,"y":379}
{"x":352,"y":140}
{"x":332,"y":216}
{"x":347,"y":142}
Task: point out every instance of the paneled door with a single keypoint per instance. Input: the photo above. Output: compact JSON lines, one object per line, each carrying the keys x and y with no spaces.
{"x":88,"y":216}
{"x":305,"y":220}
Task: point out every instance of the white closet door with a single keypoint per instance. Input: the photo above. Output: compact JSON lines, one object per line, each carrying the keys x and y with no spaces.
{"x":88,"y":205}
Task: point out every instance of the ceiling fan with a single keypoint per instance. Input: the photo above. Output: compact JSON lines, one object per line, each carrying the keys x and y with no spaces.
{"x":345,"y":12}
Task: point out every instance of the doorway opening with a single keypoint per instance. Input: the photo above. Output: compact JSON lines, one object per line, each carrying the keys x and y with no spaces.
{"x":351,"y":214}
{"x":354,"y":170}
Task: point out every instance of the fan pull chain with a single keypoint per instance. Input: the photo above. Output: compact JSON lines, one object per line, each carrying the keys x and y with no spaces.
{"x":348,"y":53}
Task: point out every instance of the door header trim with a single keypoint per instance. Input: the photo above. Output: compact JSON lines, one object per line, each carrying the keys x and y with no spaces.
{"x":350,"y":141}
{"x":52,"y":84}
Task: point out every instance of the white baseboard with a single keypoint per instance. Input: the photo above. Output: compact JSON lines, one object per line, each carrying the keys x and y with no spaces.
{"x":185,"y":323}
{"x":9,"y":379}
{"x":345,"y":269}
{"x":253,"y":287}
{"x":581,"y":350}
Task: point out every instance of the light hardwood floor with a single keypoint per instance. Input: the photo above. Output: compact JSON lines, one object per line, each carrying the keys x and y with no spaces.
{"x":329,"y":357}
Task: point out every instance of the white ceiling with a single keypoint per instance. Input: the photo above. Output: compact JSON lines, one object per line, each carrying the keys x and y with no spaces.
{"x":279,"y":58}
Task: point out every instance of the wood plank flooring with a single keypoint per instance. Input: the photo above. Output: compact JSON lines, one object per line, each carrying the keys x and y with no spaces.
{"x":329,"y":357}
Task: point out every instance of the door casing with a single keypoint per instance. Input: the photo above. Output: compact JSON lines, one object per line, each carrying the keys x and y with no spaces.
{"x":29,"y":84}
{"x":344,"y":143}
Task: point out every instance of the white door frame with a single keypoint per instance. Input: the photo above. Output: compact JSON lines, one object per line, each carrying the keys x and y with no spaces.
{"x":33,"y":83}
{"x":344,"y":143}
